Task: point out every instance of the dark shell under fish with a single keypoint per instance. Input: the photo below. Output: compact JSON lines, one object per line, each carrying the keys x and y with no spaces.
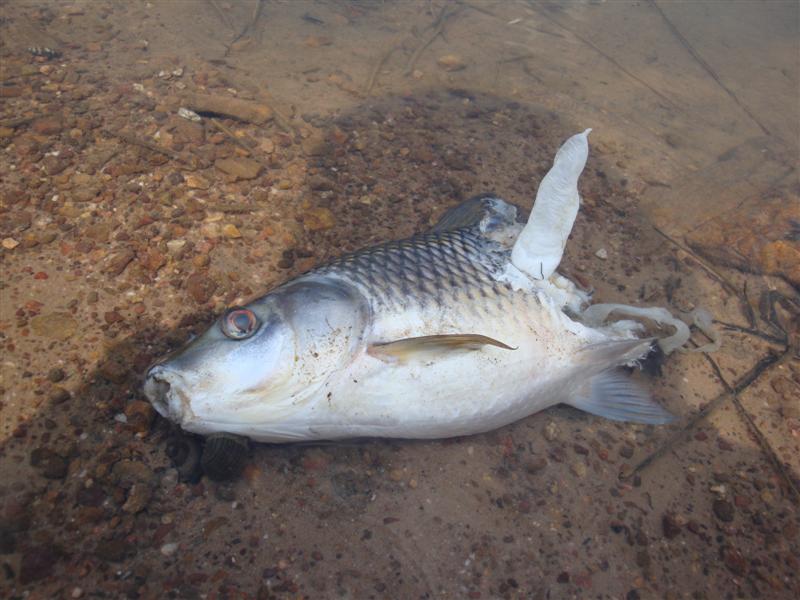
{"x":224,"y":456}
{"x":184,"y":454}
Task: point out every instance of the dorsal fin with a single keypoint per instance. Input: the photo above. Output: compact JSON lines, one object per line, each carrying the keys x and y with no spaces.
{"x":495,"y":218}
{"x":485,"y":210}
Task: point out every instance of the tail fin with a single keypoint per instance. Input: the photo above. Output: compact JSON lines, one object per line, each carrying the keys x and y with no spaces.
{"x":604,"y":355}
{"x":613,"y":395}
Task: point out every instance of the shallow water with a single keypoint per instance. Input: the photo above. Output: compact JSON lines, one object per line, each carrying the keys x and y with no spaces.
{"x":125,"y":228}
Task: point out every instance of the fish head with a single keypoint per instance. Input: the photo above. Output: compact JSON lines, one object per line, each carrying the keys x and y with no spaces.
{"x":261,"y":363}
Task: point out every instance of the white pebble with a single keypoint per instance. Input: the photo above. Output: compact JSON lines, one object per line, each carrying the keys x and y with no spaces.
{"x":169,"y":549}
{"x":602,"y":253}
{"x":189,"y":115}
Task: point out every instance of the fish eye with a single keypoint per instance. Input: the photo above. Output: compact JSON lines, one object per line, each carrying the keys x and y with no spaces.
{"x":239,"y":323}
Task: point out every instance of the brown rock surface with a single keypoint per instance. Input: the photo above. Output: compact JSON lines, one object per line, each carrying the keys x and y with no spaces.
{"x":762,"y":236}
{"x":200,"y":287}
{"x":58,"y":326}
{"x":241,"y":168}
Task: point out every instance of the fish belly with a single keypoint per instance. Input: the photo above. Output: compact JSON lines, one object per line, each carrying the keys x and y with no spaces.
{"x":457,"y":393}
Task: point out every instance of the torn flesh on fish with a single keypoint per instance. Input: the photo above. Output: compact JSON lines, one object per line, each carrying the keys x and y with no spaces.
{"x":440,"y":335}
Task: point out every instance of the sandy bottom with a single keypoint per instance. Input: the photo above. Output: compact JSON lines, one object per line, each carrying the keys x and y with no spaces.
{"x":126,"y":228}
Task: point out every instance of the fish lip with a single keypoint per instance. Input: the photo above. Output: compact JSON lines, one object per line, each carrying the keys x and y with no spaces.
{"x":160,"y":389}
{"x":157,"y":390}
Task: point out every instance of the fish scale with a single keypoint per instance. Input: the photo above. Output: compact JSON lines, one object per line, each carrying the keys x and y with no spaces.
{"x":435,"y":268}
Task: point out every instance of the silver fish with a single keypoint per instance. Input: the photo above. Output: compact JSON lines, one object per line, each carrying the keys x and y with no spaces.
{"x":442,"y":334}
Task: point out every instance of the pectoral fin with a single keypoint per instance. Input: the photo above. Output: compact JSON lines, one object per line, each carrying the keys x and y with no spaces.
{"x":428,"y":347}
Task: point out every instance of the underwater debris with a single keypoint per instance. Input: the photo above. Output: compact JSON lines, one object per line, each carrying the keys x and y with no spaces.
{"x":44,"y":52}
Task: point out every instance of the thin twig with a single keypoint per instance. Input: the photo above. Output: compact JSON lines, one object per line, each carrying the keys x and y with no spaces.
{"x":763,"y":365}
{"x":221,"y":14}
{"x":282,"y":121}
{"x":475,"y":7}
{"x":256,"y":13}
{"x":144,"y":144}
{"x":515,"y":59}
{"x":438,"y":26}
{"x":373,"y":75}
{"x":231,"y":135}
{"x":708,"y":69}
{"x":764,"y":444}
{"x":251,"y":24}
{"x":748,"y":310}
{"x":232,"y":208}
{"x":536,"y":8}
{"x":754,"y":332}
{"x":18,"y":122}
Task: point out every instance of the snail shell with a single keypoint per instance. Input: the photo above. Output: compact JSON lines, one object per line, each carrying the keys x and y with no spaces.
{"x":184,"y":453}
{"x":224,"y":456}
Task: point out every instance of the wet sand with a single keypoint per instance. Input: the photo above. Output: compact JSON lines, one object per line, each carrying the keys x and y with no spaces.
{"x":126,"y":228}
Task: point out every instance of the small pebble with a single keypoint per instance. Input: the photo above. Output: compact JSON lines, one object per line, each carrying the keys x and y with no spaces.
{"x":169,"y":549}
{"x":319,"y":219}
{"x":670,"y":526}
{"x":451,"y":62}
{"x":231,"y":231}
{"x":578,"y":469}
{"x":735,"y":561}
{"x":268,"y":146}
{"x":240,"y":168}
{"x":536,"y":465}
{"x":55,"y":375}
{"x":721,"y":490}
{"x":59,"y":395}
{"x":200,"y":287}
{"x":550,"y":431}
{"x":138,"y":497}
{"x":197,"y":182}
{"x":175,"y":247}
{"x":602,"y":254}
{"x":723,"y":510}
{"x":201,"y":260}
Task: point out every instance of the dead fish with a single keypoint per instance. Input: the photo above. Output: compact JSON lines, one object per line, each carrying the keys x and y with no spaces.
{"x":456,"y":331}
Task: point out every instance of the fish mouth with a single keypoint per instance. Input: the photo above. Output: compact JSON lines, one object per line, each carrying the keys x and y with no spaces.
{"x":160,"y":392}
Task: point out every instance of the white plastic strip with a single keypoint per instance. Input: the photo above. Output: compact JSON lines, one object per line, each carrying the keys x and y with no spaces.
{"x":703,"y":320}
{"x":540,"y":246}
{"x":595,"y":315}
